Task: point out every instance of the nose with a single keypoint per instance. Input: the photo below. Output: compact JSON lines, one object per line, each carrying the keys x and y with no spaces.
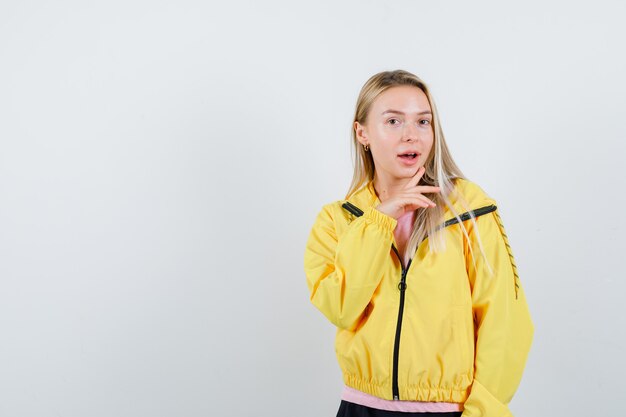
{"x":409,"y":132}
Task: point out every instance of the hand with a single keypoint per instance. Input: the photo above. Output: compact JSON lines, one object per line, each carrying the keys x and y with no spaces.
{"x":409,"y":198}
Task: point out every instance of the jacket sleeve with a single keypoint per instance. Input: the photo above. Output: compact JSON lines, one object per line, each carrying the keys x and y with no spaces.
{"x":342,"y":274}
{"x":504,"y":330}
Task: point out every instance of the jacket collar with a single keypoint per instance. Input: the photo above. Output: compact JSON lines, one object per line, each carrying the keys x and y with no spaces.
{"x":477,"y":200}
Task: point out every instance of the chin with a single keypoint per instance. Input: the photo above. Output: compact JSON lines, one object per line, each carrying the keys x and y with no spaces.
{"x":412,"y":170}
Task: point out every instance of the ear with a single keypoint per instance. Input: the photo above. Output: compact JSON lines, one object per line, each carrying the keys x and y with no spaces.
{"x":361,"y":134}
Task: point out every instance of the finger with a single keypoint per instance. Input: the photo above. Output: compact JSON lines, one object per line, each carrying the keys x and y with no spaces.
{"x":427,"y":189}
{"x":422,"y":189}
{"x":426,"y":200}
{"x":417,"y":201}
{"x":416,"y":178}
{"x":415,"y":194}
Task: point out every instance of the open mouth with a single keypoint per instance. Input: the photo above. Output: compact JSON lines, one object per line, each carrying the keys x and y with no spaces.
{"x":408,"y":156}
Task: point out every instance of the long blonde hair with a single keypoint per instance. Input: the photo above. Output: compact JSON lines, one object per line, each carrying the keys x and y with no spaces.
{"x":441,"y":170}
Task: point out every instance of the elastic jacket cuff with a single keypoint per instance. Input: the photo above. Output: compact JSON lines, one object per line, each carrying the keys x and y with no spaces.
{"x":371,"y":215}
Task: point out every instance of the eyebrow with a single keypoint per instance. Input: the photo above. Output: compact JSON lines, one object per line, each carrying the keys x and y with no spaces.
{"x":399,"y":112}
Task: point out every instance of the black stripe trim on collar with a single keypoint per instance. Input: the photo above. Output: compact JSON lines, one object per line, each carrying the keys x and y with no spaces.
{"x":352,"y":209}
{"x":465,"y":216}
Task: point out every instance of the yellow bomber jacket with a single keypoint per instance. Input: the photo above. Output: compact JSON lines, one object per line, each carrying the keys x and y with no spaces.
{"x":441,"y":328}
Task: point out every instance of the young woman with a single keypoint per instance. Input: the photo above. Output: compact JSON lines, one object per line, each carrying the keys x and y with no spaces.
{"x":415,"y":270}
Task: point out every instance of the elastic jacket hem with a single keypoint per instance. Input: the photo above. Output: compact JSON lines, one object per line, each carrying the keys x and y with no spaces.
{"x":409,"y":392}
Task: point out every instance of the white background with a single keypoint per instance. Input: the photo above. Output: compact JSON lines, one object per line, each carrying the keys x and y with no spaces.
{"x":161,"y":164}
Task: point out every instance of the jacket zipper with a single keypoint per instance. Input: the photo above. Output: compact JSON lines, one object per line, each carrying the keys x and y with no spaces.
{"x":396,"y":345}
{"x":354,"y":210}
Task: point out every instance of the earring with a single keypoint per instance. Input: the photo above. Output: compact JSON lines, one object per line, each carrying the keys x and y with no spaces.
{"x":366,"y":147}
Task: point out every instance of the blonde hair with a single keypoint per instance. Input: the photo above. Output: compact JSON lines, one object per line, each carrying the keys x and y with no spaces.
{"x":441,"y":170}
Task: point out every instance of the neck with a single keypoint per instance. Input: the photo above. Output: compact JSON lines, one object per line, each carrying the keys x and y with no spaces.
{"x":386,"y":187}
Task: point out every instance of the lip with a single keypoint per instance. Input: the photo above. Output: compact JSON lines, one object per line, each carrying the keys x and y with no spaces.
{"x":409,"y":162}
{"x":410,"y":151}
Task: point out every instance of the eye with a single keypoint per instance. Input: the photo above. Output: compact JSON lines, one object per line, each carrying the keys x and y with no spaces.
{"x":391,"y":122}
{"x":425,"y":121}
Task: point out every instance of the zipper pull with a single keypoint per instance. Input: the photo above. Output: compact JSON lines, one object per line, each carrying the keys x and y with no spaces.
{"x":402,"y":283}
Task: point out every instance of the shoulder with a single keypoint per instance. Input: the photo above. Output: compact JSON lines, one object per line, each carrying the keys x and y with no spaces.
{"x":333,"y":211}
{"x":472,"y":194}
{"x":336,"y":216}
{"x":467,"y":197}
{"x":346,"y":209}
{"x":330,"y":223}
{"x":470,"y":189}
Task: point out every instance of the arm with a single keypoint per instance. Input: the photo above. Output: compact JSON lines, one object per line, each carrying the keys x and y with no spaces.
{"x":342,"y":275}
{"x":503,"y":325}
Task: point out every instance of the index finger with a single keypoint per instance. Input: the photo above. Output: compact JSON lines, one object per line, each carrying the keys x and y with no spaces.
{"x":416,"y":178}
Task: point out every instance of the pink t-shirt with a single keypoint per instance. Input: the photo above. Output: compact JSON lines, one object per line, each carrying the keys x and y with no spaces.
{"x":357,"y":397}
{"x":402,"y":232}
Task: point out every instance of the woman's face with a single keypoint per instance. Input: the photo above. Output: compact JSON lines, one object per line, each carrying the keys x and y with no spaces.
{"x":399,"y":123}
